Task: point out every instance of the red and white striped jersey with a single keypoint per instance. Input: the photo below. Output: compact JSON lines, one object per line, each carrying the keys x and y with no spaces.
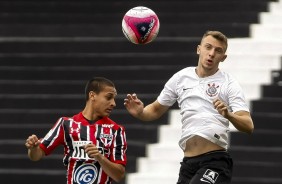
{"x":73,"y":133}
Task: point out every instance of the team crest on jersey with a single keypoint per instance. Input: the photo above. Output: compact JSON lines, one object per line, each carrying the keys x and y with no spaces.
{"x":210,"y":176}
{"x":86,"y":174}
{"x":106,"y":139}
{"x":212,"y":90}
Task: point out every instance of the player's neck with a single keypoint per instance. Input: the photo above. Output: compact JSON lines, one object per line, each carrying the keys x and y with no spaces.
{"x":90,"y":115}
{"x":203,"y":72}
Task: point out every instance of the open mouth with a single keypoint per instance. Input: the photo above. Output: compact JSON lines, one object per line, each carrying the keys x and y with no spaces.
{"x":209,"y":61}
{"x":109,"y":110}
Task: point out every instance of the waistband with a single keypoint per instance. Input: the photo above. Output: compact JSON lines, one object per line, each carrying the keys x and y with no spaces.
{"x":223,"y":151}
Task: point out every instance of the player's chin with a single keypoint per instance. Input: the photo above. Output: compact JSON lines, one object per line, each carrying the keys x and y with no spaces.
{"x":107,"y":112}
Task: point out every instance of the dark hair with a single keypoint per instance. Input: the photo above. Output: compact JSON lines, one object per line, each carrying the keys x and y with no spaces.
{"x":97,"y":84}
{"x":217,"y":35}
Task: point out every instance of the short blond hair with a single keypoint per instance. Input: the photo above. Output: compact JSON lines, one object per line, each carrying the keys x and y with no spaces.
{"x":217,"y":35}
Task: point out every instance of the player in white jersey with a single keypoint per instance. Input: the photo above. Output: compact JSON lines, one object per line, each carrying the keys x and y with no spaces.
{"x":208,"y":99}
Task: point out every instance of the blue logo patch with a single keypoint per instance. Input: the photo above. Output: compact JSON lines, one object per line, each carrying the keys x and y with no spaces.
{"x":85,"y":174}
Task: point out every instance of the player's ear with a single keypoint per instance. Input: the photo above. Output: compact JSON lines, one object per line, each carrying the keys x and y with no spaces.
{"x":92,"y":95}
{"x":198,"y":49}
{"x":224,"y":57}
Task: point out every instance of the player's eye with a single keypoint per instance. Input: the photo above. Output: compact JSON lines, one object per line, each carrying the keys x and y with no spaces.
{"x":208,"y":47}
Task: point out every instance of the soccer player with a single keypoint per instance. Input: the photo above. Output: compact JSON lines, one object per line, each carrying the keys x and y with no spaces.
{"x":208,"y":99}
{"x":94,"y":145}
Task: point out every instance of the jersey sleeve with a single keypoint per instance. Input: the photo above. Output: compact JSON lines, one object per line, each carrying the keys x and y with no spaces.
{"x":237,"y":101}
{"x":168,"y":95}
{"x":53,"y":138}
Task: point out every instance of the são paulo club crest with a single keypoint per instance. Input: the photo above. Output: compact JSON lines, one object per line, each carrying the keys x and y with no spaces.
{"x":212,"y":89}
{"x":85,"y":174}
{"x":106,"y":139}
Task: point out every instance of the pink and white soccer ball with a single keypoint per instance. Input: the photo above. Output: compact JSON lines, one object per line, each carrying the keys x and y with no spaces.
{"x":140,"y":25}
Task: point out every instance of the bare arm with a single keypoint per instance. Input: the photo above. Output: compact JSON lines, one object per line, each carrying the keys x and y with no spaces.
{"x":35,"y":153}
{"x":114,"y":170}
{"x":241,"y":120}
{"x":136,"y":108}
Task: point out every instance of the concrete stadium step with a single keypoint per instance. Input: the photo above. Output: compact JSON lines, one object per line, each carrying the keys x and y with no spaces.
{"x":246,"y":46}
{"x":267,"y":32}
{"x":267,"y":121}
{"x":86,"y":73}
{"x":32,"y":176}
{"x":99,"y":59}
{"x":270,"y":19}
{"x":76,"y":87}
{"x":268,"y":105}
{"x":254,"y":169}
{"x":95,"y":45}
{"x":272,"y":91}
{"x":255,"y":154}
{"x":251,"y":62}
{"x":264,"y":138}
{"x":21,"y":161}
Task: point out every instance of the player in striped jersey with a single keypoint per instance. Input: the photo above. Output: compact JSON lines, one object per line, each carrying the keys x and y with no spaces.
{"x":94,"y":145}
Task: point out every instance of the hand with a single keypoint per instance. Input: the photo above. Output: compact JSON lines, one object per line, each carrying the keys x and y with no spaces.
{"x":32,"y":142}
{"x":92,"y":151}
{"x":133,"y":105}
{"x":221,"y":107}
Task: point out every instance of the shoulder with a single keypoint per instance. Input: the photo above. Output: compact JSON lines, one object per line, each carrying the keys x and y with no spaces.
{"x":227,"y":76}
{"x":188,"y":72}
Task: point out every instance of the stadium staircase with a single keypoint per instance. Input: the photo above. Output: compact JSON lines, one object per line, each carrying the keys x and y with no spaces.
{"x":49,"y":49}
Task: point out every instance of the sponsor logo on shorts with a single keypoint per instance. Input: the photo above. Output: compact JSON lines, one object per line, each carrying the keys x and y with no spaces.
{"x":210,"y":176}
{"x":85,"y":174}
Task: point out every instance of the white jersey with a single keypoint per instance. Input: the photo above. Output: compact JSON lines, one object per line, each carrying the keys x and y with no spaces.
{"x":195,"y":96}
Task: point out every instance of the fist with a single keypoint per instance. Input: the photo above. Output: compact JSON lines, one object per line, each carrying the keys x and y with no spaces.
{"x":32,"y":142}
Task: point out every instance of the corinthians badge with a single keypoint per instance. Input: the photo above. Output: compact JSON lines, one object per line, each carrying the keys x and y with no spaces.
{"x":212,"y":90}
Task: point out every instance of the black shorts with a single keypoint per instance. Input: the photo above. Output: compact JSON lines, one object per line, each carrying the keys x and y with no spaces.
{"x":213,"y":167}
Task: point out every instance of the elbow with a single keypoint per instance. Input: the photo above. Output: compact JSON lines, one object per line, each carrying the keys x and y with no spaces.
{"x":250,"y":129}
{"x":118,"y":178}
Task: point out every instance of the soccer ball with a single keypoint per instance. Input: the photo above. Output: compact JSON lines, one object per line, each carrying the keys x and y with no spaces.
{"x":140,"y":25}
